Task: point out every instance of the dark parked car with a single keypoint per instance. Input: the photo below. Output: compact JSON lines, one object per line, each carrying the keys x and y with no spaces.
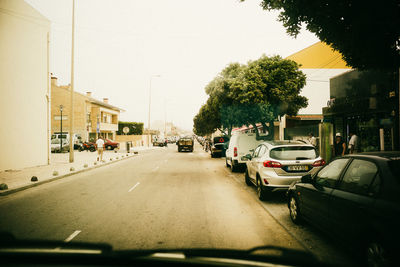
{"x":218,"y":146}
{"x":355,"y":199}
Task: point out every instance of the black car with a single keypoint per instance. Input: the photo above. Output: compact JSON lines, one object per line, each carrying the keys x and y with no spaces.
{"x":217,"y":146}
{"x":355,"y":199}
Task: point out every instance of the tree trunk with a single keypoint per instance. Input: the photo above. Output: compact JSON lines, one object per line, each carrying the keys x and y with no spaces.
{"x":271,"y":130}
{"x":255,"y":128}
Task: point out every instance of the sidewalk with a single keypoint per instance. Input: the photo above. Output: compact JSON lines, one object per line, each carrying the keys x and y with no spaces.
{"x":18,"y":180}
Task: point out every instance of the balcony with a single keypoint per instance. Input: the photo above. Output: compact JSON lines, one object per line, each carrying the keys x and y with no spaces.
{"x":108,"y":126}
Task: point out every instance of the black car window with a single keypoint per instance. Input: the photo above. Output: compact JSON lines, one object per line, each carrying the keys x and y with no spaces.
{"x":331,"y":173}
{"x":376,"y":185}
{"x":359,"y":176}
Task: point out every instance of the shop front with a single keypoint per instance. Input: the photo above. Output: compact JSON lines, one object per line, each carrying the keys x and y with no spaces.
{"x":365,"y":103}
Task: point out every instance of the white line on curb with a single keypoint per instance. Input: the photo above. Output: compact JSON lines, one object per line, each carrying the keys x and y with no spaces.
{"x":72,"y":236}
{"x":133,"y":187}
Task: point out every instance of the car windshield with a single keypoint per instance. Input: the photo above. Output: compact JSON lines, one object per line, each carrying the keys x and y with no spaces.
{"x":293,"y":153}
{"x":190,"y":124}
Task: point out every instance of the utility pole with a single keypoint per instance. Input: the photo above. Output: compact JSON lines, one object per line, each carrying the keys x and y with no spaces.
{"x":71,"y":123}
{"x":148,"y":122}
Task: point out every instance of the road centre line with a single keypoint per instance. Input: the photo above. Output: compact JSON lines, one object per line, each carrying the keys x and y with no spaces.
{"x":133,"y":187}
{"x":72,"y":236}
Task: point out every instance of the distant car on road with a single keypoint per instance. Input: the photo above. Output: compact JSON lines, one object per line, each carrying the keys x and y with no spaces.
{"x":274,"y":165}
{"x":356,"y":199}
{"x":55,"y":145}
{"x":185,"y":143}
{"x":217,"y":146}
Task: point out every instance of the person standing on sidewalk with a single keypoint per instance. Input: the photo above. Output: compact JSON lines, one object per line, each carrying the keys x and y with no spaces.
{"x":339,"y":146}
{"x":100,"y":148}
{"x":312,"y":140}
{"x":354,"y":145}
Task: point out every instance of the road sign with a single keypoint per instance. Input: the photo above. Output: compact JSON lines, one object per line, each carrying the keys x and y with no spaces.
{"x":125,"y":130}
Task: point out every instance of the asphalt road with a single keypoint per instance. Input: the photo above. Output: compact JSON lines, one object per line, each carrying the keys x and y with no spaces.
{"x":160,"y":199}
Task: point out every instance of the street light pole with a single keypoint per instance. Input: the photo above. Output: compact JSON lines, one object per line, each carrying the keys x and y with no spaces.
{"x":61,"y":109}
{"x":71,"y":123}
{"x":148,"y":122}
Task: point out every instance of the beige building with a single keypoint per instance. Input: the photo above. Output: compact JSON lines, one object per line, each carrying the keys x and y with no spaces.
{"x":91,"y":116}
{"x":24,"y":87}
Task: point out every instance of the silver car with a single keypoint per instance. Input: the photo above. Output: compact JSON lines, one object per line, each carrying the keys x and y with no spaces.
{"x":274,"y":165}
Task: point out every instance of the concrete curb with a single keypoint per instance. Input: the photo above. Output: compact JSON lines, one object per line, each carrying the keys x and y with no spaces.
{"x":14,"y":190}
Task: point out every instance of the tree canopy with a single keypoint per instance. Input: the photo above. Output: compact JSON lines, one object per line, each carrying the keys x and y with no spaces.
{"x":249,"y":94}
{"x":366,"y":33}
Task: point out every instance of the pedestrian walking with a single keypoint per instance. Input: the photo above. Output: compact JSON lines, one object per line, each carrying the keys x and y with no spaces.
{"x":312,"y":140}
{"x":100,"y":148}
{"x":354,"y":143}
{"x":339,"y":146}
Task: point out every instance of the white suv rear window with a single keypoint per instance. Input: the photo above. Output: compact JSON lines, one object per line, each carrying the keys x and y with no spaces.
{"x":293,"y":153}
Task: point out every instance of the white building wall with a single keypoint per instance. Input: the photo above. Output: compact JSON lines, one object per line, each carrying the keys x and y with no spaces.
{"x":24,"y":84}
{"x":317,"y":88}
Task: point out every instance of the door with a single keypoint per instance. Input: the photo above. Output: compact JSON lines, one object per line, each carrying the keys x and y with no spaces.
{"x":315,"y":198}
{"x":252,"y":164}
{"x":353,"y":198}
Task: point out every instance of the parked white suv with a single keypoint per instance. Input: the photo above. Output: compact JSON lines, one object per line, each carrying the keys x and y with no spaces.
{"x":276,"y":165}
{"x":239,"y":146}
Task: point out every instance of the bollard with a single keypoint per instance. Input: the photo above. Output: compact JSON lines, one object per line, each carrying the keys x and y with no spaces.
{"x":3,"y":186}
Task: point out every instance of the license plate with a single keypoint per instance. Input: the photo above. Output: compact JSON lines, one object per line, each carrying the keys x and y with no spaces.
{"x":298,"y":168}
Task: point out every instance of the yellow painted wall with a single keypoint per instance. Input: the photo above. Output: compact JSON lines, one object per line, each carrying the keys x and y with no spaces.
{"x":319,"y":56}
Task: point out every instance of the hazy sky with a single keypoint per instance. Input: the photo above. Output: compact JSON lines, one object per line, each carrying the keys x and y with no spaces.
{"x":120,"y":44}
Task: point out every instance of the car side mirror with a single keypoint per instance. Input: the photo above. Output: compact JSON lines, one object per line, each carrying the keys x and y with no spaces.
{"x":246,"y":157}
{"x":307,"y":179}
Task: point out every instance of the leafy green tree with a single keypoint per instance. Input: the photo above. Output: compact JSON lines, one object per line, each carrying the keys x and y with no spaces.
{"x":366,"y":33}
{"x":274,"y":84}
{"x":258,"y":92}
{"x":206,"y":121}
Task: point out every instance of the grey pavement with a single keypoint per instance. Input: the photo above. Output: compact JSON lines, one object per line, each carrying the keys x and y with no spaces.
{"x":60,"y":167}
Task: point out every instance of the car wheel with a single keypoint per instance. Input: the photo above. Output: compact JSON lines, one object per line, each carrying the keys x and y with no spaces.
{"x":179,"y":150}
{"x":234,"y":168}
{"x":376,"y":254}
{"x":294,"y":210}
{"x":261,"y":192}
{"x":92,"y":149}
{"x":212,"y":155}
{"x":247,"y":178}
{"x":109,"y":147}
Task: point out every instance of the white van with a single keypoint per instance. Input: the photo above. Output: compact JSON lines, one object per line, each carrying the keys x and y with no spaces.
{"x":65,"y":135}
{"x":239,"y":146}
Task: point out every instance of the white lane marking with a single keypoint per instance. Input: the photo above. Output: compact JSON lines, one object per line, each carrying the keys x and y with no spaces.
{"x":133,"y":187}
{"x":72,"y":236}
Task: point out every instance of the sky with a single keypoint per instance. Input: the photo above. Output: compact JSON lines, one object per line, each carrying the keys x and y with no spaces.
{"x":178,"y":45}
